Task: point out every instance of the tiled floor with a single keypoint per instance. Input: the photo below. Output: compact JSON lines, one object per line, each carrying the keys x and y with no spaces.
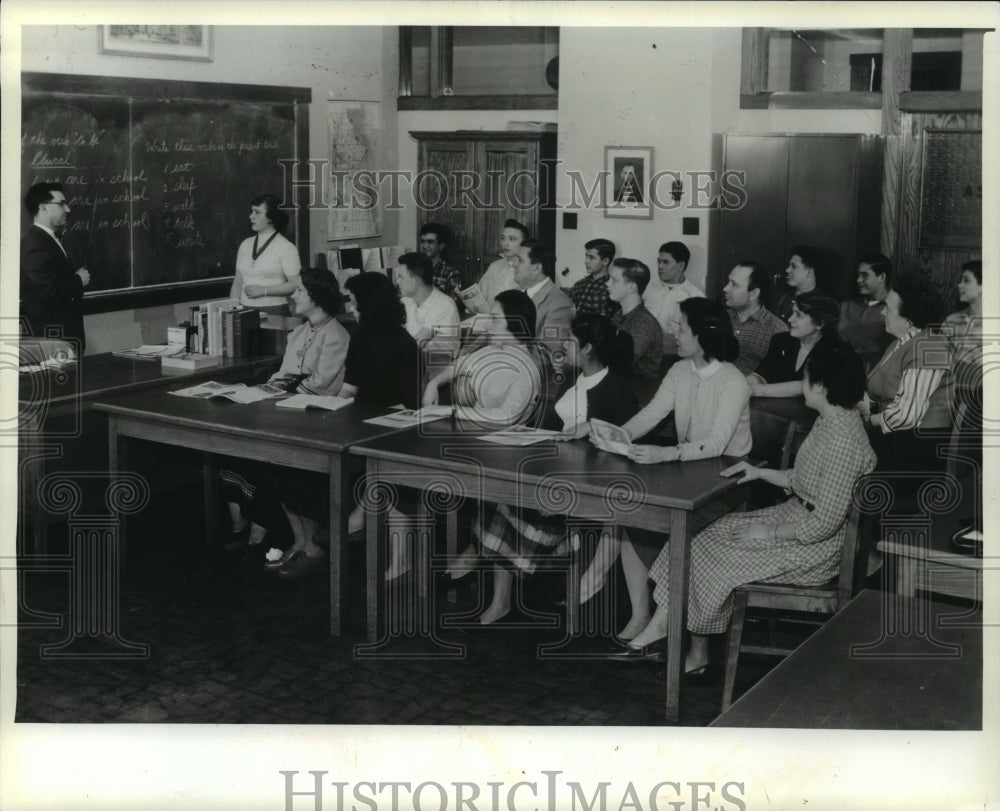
{"x":230,"y":643}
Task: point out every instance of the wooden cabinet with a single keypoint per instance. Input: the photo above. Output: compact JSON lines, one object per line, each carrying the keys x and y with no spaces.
{"x":473,"y":181}
{"x":818,"y":190}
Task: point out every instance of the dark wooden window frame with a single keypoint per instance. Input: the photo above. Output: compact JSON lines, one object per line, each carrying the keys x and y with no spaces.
{"x":755,"y":96}
{"x":441,"y":67}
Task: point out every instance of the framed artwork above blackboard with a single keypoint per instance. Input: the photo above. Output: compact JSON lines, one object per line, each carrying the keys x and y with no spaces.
{"x":951,"y":189}
{"x":158,"y":41}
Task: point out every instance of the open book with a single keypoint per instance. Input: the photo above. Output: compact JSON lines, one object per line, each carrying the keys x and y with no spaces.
{"x":329,"y":403}
{"x":473,"y":299}
{"x":610,"y":437}
{"x":237,"y":392}
{"x":520,"y":435}
{"x":409,"y":417}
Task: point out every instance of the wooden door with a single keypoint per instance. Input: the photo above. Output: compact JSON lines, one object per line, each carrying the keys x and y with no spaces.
{"x":447,"y":157}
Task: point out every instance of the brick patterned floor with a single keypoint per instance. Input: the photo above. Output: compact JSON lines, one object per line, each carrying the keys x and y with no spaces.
{"x":230,"y":644}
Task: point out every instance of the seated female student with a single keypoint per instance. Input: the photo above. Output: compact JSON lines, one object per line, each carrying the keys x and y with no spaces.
{"x":710,"y":401}
{"x":382,"y":369}
{"x":814,"y":317}
{"x":313,"y":363}
{"x":799,"y":541}
{"x":603,"y":354}
{"x":965,"y":331}
{"x":498,"y":384}
{"x":907,"y":403}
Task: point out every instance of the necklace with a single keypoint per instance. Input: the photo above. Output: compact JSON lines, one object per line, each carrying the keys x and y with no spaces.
{"x":256,"y":253}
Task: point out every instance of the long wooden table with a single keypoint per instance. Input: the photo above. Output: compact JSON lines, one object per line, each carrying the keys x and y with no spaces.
{"x":857,"y":672}
{"x":590,"y":484}
{"x":55,"y":412}
{"x":306,"y":440}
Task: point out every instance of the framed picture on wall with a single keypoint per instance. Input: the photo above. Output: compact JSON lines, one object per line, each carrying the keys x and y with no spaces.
{"x":627,"y":171}
{"x":159,"y":41}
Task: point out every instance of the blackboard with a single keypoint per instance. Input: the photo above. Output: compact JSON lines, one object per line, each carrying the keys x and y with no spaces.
{"x":160,"y":174}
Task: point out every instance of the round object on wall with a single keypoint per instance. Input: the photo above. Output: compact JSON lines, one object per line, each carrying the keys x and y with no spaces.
{"x":552,"y":73}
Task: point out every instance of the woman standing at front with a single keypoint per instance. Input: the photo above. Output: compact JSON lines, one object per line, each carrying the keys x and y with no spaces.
{"x":267,"y":264}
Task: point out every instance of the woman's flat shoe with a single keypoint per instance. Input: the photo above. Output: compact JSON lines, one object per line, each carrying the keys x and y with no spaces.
{"x":302,"y":565}
{"x":653,"y":652}
{"x":280,"y":563}
{"x":696,"y":671}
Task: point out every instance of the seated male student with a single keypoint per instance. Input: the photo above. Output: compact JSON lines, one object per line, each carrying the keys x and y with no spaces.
{"x":627,"y":280}
{"x":590,"y":294}
{"x":431,"y":316}
{"x":669,"y":288}
{"x":534,"y":271}
{"x":433,"y":244}
{"x":753,"y":324}
{"x":862,"y":321}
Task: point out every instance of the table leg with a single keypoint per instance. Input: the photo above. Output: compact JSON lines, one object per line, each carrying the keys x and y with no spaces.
{"x":906,"y":576}
{"x":680,"y":560}
{"x":118,"y":462}
{"x":374,"y":557}
{"x":340,"y":507}
{"x":210,"y":489}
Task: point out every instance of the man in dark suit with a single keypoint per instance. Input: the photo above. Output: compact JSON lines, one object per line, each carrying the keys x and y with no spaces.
{"x":51,"y":284}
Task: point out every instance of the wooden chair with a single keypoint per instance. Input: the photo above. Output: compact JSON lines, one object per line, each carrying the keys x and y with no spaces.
{"x":827,"y":599}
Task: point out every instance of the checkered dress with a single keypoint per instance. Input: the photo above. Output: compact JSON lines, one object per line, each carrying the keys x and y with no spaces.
{"x":590,"y":295}
{"x":831,"y":459}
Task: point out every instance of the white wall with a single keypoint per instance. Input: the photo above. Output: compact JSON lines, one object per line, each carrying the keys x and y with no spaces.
{"x":334,"y":62}
{"x":677,"y":91}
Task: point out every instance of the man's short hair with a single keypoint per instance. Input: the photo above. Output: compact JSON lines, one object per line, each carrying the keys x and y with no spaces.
{"x":605,"y":248}
{"x":880,"y":264}
{"x":540,"y":254}
{"x":38,"y":194}
{"x":441,"y":233}
{"x":634,"y":271}
{"x":522,"y":228}
{"x":420,"y":266}
{"x":678,"y":250}
{"x":759,"y":280}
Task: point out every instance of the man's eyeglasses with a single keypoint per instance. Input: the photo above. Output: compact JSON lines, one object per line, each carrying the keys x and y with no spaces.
{"x":62,"y":203}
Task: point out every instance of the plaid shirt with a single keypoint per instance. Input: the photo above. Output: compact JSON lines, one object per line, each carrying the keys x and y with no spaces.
{"x":754,"y":336}
{"x":447,"y":279}
{"x":590,"y":295}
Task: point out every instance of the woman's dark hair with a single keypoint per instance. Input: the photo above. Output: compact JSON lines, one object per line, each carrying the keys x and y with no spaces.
{"x":975,"y":267}
{"x":272,"y":207}
{"x":823,"y":310}
{"x":519,"y":310}
{"x":710,"y":323}
{"x":518,"y":226}
{"x":920,"y":301}
{"x":322,"y":287}
{"x":612,"y":346}
{"x":838,"y":367}
{"x":377,"y":301}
